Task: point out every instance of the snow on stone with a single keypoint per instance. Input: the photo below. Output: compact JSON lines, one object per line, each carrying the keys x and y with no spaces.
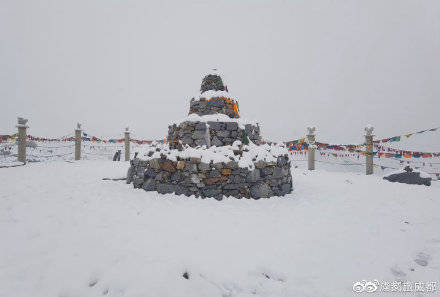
{"x":216,"y":94}
{"x":218,"y":117}
{"x":213,"y":71}
{"x":251,"y":153}
{"x":422,"y":174}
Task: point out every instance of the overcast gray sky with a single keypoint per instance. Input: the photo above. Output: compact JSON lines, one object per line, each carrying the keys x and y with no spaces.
{"x":338,"y":65}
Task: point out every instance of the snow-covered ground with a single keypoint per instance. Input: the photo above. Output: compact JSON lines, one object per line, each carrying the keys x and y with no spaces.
{"x":65,"y":232}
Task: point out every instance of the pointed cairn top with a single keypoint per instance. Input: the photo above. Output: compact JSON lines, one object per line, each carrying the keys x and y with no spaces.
{"x":78,"y":126}
{"x":212,"y":81}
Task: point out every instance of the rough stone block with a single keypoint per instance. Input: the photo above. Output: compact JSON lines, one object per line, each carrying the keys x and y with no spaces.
{"x":154,"y":163}
{"x":130,"y":174}
{"x":137,"y":182}
{"x":191,"y":167}
{"x":277,"y":172}
{"x":198,"y":134}
{"x":253,"y":176}
{"x":168,"y":166}
{"x":282,"y":160}
{"x":195,"y":179}
{"x":194,"y":160}
{"x":218,"y":165}
{"x":200,"y":126}
{"x":180,"y":165}
{"x":211,"y":192}
{"x":150,"y":173}
{"x":204,"y":166}
{"x":166,"y":188}
{"x":216,"y":141}
{"x":261,"y":190}
{"x":286,"y":188}
{"x":249,"y":129}
{"x":216,"y":125}
{"x":149,"y":185}
{"x":231,"y":126}
{"x":239,"y":179}
{"x":267,"y":171}
{"x":232,"y":164}
{"x":226,"y":171}
{"x":233,"y":186}
{"x":200,"y":142}
{"x":213,"y":180}
{"x":223,"y":133}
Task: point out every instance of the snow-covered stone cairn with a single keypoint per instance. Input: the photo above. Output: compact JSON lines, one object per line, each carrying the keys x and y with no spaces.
{"x":213,"y":153}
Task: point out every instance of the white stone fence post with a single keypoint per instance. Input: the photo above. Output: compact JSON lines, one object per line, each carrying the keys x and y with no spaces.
{"x":78,"y":142}
{"x":369,"y":149}
{"x":127,"y":144}
{"x":312,"y":147}
{"x":22,"y":126}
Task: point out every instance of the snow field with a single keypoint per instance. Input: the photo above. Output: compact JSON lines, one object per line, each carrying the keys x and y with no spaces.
{"x":66,"y":232}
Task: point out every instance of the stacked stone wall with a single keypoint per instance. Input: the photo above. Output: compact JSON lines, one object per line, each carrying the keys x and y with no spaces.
{"x":190,"y":176}
{"x":213,"y":106}
{"x":194,"y":134}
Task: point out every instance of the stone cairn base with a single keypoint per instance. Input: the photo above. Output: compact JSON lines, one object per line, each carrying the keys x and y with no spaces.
{"x":213,"y":130}
{"x":190,"y":176}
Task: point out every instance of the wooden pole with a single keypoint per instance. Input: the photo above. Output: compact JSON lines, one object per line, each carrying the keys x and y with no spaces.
{"x":369,"y":149}
{"x":22,"y":126}
{"x":127,"y":144}
{"x":78,"y":142}
{"x":311,"y":150}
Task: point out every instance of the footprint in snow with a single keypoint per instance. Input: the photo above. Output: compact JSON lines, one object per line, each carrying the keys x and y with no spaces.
{"x":422,"y":259}
{"x":397,"y":272}
{"x":272,"y":277}
{"x":93,"y":282}
{"x":269,"y":275}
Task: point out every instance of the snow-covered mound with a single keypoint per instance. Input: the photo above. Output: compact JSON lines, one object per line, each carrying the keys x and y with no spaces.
{"x":66,"y":232}
{"x":409,"y":176}
{"x":421,"y":173}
